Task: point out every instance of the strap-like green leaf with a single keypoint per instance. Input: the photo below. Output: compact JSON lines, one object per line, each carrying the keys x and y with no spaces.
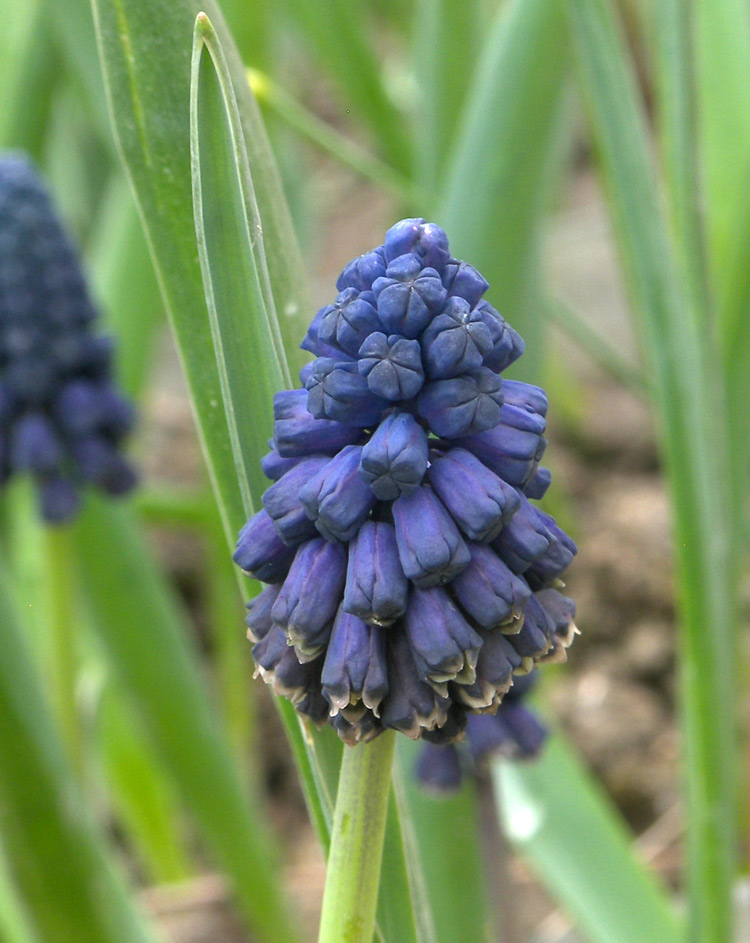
{"x":580,"y":848}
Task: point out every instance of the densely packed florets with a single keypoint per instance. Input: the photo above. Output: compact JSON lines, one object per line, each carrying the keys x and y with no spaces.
{"x":411,"y":578}
{"x":61,"y":419}
{"x":513,"y":731}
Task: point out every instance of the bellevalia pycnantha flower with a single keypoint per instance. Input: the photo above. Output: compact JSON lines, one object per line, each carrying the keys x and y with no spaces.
{"x":61,"y":419}
{"x":411,"y":579}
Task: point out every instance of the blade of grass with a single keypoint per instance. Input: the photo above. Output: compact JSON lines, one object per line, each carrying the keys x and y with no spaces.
{"x":328,"y":139}
{"x":441,"y":27}
{"x":581,"y":849}
{"x":15,"y":923}
{"x":235,"y":276}
{"x":339,"y":36}
{"x":497,"y":178}
{"x":44,"y":822}
{"x":688,"y":405}
{"x":142,"y":631}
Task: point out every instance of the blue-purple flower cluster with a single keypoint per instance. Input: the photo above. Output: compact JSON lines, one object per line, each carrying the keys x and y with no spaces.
{"x":410,"y":575}
{"x":61,"y":419}
{"x":513,"y":731}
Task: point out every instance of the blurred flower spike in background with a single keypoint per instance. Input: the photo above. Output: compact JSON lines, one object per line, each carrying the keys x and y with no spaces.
{"x":61,"y":419}
{"x":410,"y":576}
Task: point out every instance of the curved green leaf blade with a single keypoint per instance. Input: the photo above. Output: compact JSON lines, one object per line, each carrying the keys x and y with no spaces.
{"x":141,"y":628}
{"x":581,"y":849}
{"x":57,"y":859}
{"x":246,"y":338}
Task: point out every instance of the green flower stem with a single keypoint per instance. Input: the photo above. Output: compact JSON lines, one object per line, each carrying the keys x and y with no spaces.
{"x":351,"y":891}
{"x":63,"y":660}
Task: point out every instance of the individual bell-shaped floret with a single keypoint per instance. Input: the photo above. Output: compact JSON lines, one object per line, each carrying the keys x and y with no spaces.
{"x":479,"y":502}
{"x":347,"y":323}
{"x":494,"y":669}
{"x":279,"y":667}
{"x":283,"y":505}
{"x":261,"y":553}
{"x":438,"y":768}
{"x":338,"y":391}
{"x":430,"y":547}
{"x":297,"y":433}
{"x":525,"y":396}
{"x":463,"y":406}
{"x":464,"y":281}
{"x":455,"y":342}
{"x":34,"y":445}
{"x":412,"y":705}
{"x":561,"y":611}
{"x":336,"y":498}
{"x":513,"y":448}
{"x":392,"y":365}
{"x":535,"y":636}
{"x":355,"y":665}
{"x":376,"y":588}
{"x":314,"y":343}
{"x":259,"y":620}
{"x":59,"y":499}
{"x":394,"y":461}
{"x":417,"y":236}
{"x":274,"y":466}
{"x":554,"y":559}
{"x":507,"y":345}
{"x":361,"y":272}
{"x":524,"y":538}
{"x":444,"y":645}
{"x":489,"y":592}
{"x":408,"y":296}
{"x":100,"y":462}
{"x":536,"y":487}
{"x":310,"y":596}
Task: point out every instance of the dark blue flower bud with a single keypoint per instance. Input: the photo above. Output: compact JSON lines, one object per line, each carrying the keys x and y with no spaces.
{"x":364,"y":729}
{"x":426,"y":240}
{"x":279,"y":666}
{"x":408,"y":296}
{"x":34,"y":446}
{"x":274,"y":466}
{"x":464,"y":281}
{"x":376,"y":588}
{"x":561,"y":611}
{"x":392,"y":365}
{"x":479,"y":502}
{"x":489,"y":592}
{"x":536,"y":486}
{"x":412,"y":705}
{"x":268,"y":651}
{"x":535,"y":637}
{"x":429,"y":545}
{"x":58,"y":499}
{"x":355,"y":665}
{"x":444,"y":645}
{"x":453,"y":729}
{"x":462,"y":406}
{"x":313,"y":705}
{"x":524,"y":538}
{"x":555,"y":559}
{"x":337,"y":498}
{"x":514,"y":731}
{"x":455,"y":342}
{"x":305,"y":373}
{"x":260,"y":552}
{"x":361,"y":272}
{"x":258,"y":620}
{"x":296,"y":432}
{"x":438,"y":768}
{"x":314,"y":343}
{"x":513,"y":447}
{"x":494,"y":672}
{"x":507,"y":344}
{"x":525,"y":396}
{"x":338,"y":391}
{"x":311,"y":595}
{"x":394,"y":461}
{"x":99,"y":461}
{"x":347,"y":323}
{"x":282,"y":501}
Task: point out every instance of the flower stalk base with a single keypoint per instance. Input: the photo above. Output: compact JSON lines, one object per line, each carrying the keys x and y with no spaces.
{"x":353,"y":876}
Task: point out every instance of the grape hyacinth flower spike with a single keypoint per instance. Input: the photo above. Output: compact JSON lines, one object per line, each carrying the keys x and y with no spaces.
{"x":61,"y":418}
{"x":411,"y":580}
